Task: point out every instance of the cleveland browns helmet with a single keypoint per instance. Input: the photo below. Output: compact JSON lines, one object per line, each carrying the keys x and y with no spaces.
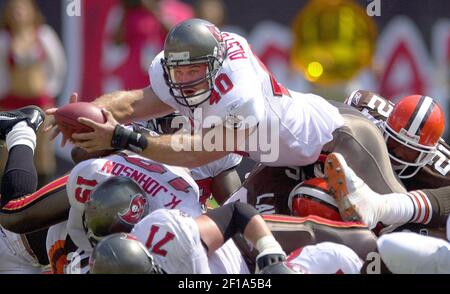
{"x":194,"y":41}
{"x":122,"y":254}
{"x":311,"y":198}
{"x":416,"y":122}
{"x":115,"y":205}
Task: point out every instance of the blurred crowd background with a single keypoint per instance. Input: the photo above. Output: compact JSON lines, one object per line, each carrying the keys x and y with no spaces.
{"x":51,"y":48}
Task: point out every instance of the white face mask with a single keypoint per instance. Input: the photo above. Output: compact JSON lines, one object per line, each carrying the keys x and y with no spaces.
{"x":405,"y":169}
{"x":196,"y":98}
{"x":199,"y":95}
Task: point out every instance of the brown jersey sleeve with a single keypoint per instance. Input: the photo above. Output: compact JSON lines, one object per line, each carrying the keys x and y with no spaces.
{"x":434,"y":175}
{"x":373,"y":106}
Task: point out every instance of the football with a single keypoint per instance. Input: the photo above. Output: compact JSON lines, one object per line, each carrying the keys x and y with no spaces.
{"x":67,"y":117}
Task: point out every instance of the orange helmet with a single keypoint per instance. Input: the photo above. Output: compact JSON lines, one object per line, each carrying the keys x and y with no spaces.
{"x":416,"y":122}
{"x":311,"y":198}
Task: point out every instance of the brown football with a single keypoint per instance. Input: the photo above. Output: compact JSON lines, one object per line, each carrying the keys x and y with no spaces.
{"x":67,"y":117}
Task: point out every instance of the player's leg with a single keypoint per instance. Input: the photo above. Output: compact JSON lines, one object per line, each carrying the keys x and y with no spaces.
{"x":18,"y":128}
{"x":23,"y":210}
{"x":435,"y":215}
{"x":358,"y":202}
{"x":364,"y":149}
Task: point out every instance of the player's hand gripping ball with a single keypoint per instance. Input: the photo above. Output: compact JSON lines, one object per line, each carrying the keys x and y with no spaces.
{"x":67,"y":117}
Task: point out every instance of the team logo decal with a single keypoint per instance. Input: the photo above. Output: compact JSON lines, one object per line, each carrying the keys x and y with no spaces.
{"x":135,"y":210}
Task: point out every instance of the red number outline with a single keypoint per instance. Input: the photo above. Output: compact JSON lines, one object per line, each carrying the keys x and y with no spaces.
{"x":82,"y":193}
{"x":157,"y":247}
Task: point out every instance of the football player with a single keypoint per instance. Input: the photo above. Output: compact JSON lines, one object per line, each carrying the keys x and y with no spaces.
{"x":421,"y":160}
{"x":413,"y":129}
{"x":183,"y":244}
{"x":24,"y":211}
{"x":217,"y":74}
{"x":413,"y":132}
{"x":179,"y":242}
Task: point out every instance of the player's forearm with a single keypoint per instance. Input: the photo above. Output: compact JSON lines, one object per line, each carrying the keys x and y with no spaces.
{"x":168,"y":149}
{"x":124,"y":105}
{"x":256,"y":229}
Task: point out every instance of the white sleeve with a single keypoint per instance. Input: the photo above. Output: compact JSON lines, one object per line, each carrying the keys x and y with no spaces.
{"x":56,"y":59}
{"x":76,"y":230}
{"x":246,"y":115}
{"x":78,"y":193}
{"x":4,"y":73}
{"x":54,"y":234}
{"x":228,"y":162}
{"x":215,"y":168}
{"x":411,"y":253}
{"x":327,"y":258}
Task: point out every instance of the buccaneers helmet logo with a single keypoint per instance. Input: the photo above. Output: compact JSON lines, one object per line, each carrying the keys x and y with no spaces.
{"x":135,"y":210}
{"x":215,"y":32}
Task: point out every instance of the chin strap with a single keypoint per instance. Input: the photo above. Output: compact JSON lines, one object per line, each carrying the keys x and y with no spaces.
{"x":124,"y":138}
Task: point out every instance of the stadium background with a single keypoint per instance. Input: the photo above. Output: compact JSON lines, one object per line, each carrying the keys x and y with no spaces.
{"x":411,"y":48}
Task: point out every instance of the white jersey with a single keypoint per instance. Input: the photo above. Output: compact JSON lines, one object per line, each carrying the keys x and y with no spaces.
{"x":292,"y":127}
{"x":16,"y":257}
{"x":204,"y":175}
{"x":326,"y":258}
{"x":173,"y":238}
{"x":165,"y":186}
{"x":410,"y":253}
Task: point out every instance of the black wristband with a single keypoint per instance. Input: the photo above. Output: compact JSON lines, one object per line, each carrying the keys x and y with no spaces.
{"x":124,"y":138}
